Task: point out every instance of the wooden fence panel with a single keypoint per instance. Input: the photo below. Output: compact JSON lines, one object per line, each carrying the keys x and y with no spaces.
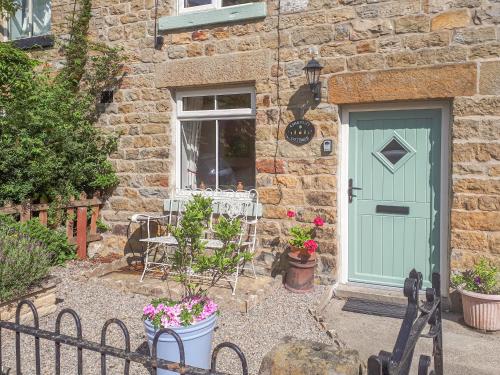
{"x":81,"y":232}
{"x":76,"y":211}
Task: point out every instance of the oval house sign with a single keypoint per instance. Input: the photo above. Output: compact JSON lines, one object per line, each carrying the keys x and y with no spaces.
{"x":299,"y":132}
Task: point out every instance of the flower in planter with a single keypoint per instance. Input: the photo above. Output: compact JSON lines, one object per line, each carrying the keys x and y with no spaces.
{"x":318,"y":221}
{"x":164,"y":313}
{"x":482,"y":278}
{"x":303,"y":237}
{"x":190,"y":257}
{"x":310,"y":246}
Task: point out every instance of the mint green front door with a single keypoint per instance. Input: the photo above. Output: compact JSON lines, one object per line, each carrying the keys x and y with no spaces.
{"x":394,"y":160}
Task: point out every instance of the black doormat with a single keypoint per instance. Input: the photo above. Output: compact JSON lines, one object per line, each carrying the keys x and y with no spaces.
{"x":363,"y":306}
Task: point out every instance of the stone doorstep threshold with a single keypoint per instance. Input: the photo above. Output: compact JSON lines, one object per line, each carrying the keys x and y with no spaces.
{"x":43,"y":297}
{"x":379,"y":293}
{"x":371,"y":293}
{"x":248,"y":293}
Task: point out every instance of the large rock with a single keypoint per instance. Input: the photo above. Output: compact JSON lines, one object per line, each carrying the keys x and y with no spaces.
{"x":300,"y":357}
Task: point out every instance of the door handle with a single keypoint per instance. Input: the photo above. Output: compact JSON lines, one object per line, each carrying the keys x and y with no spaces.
{"x":350,"y":189}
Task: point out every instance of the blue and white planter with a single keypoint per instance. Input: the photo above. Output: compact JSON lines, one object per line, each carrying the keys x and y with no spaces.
{"x":197,"y":340}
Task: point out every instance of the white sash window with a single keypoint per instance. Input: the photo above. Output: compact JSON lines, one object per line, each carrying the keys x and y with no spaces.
{"x":216,"y":139}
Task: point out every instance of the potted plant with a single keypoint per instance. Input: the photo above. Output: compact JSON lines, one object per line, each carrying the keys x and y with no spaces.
{"x":480,"y":291}
{"x":194,"y":316}
{"x":302,"y":256}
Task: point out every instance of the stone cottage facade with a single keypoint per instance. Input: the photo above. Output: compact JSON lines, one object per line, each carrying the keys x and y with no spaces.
{"x":431,"y":60}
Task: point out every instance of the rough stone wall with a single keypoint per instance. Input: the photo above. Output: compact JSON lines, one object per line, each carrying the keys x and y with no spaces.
{"x":360,"y":36}
{"x":475,"y":216}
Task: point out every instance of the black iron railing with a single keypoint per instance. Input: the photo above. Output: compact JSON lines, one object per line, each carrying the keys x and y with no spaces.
{"x":399,"y":361}
{"x":150,"y":362}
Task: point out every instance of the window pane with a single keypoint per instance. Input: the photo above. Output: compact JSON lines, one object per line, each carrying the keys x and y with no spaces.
{"x":236,"y":153}
{"x":394,"y":152}
{"x":18,"y":25}
{"x":198,"y":103}
{"x":227,"y":3}
{"x":41,"y":17}
{"x":198,"y":154}
{"x":196,"y":3}
{"x":233,"y":101}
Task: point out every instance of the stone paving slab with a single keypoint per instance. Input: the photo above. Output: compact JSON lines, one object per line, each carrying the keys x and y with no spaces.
{"x":250,"y":291}
{"x":466,"y":351}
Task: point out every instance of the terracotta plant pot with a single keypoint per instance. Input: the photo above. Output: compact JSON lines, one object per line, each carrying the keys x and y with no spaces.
{"x":481,"y":311}
{"x":300,"y":273}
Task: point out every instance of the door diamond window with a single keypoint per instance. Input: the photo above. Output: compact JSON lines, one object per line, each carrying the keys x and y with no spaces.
{"x":394,"y":152}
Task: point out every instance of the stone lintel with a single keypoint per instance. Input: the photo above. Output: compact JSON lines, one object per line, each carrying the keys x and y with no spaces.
{"x":437,"y":82}
{"x":210,"y":70}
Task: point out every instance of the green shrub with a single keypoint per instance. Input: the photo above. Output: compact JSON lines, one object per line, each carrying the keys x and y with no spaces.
{"x":190,"y":254}
{"x":54,"y":240}
{"x":23,"y":262}
{"x":49,"y":146}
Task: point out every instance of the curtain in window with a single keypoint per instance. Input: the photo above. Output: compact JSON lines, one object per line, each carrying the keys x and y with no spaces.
{"x":41,"y":17}
{"x":190,"y":135}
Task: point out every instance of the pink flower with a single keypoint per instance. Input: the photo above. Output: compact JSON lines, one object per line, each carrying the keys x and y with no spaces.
{"x":310,"y":246}
{"x":149,"y":311}
{"x":170,"y":314}
{"x":318,"y":221}
{"x":290,"y":213}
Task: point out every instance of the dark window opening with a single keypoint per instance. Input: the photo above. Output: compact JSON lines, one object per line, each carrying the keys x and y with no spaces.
{"x":107,"y":96}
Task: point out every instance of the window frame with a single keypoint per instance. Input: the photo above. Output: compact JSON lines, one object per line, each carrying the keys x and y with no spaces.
{"x":215,"y":4}
{"x":215,"y":114}
{"x":6,"y":25}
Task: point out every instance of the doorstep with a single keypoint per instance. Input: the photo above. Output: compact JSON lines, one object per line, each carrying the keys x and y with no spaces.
{"x":379,"y":293}
{"x":374,"y":293}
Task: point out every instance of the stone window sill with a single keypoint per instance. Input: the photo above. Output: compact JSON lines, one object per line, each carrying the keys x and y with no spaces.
{"x":40,"y":41}
{"x":210,"y":17}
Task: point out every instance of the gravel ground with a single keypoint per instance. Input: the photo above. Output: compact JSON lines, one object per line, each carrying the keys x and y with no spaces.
{"x":281,"y":314}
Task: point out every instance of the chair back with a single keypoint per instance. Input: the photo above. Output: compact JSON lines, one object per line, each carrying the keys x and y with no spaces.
{"x":232,"y":204}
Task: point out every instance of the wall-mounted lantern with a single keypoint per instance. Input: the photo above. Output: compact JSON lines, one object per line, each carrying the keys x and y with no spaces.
{"x":313,"y":72}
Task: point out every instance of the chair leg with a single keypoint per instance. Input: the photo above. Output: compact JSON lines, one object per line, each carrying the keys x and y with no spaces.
{"x":236,"y":279}
{"x":144,"y":272}
{"x":146,"y":263}
{"x":253,"y":270}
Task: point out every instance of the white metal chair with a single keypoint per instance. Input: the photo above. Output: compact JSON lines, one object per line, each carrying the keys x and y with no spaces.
{"x":159,"y":238}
